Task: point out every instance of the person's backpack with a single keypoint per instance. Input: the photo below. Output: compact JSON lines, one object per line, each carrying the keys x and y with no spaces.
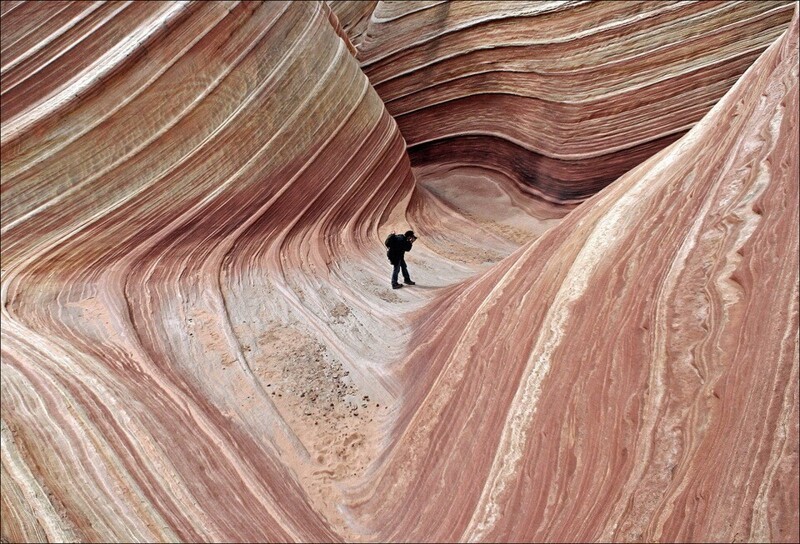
{"x":388,"y":244}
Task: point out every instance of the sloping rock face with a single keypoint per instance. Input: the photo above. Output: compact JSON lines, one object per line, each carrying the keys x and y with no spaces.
{"x":159,"y":163}
{"x":633,"y":374}
{"x":564,"y":97}
{"x":199,"y":341}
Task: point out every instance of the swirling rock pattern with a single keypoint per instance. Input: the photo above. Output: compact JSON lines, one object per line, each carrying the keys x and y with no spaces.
{"x":199,"y":342}
{"x":641,"y":381}
{"x":354,"y":17}
{"x":562,"y":96}
{"x":155,"y":190}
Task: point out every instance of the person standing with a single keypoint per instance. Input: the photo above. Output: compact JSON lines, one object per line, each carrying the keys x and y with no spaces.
{"x":398,"y":244}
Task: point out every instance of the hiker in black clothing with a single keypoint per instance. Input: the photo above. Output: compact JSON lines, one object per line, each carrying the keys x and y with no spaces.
{"x":398,"y":244}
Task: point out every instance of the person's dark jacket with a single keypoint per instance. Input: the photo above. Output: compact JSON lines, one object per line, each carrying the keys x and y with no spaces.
{"x":398,"y":245}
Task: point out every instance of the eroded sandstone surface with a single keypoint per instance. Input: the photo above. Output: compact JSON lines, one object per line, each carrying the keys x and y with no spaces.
{"x":199,"y":340}
{"x":564,"y":97}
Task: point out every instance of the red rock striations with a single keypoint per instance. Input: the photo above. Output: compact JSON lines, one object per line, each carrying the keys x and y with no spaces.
{"x":564,"y":97}
{"x":354,"y":16}
{"x":633,"y":374}
{"x":160,"y":162}
{"x":199,"y":341}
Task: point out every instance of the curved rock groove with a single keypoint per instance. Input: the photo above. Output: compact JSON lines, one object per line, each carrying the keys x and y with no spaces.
{"x":199,"y":340}
{"x":574,"y":82}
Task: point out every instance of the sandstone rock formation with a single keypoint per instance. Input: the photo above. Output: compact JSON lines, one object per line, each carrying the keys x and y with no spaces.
{"x":562,"y":96}
{"x":198,"y":338}
{"x":159,"y":195}
{"x":641,"y":381}
{"x":354,"y":16}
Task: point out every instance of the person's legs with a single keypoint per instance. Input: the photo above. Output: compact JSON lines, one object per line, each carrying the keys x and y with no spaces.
{"x":406,"y":277}
{"x":395,"y":272}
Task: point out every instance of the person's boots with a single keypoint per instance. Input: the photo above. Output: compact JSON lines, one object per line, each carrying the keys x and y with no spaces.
{"x":396,"y":286}
{"x":409,"y":282}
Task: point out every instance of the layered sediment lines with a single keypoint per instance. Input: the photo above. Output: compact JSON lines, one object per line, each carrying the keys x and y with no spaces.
{"x":199,"y":340}
{"x":354,"y":16}
{"x":550,"y":91}
{"x":633,"y":374}
{"x":163,"y":166}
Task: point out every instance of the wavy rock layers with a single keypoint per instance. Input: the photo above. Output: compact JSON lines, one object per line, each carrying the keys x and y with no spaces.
{"x":633,"y":374}
{"x":198,"y":338}
{"x":165,"y":166}
{"x":354,"y":17}
{"x":564,"y":97}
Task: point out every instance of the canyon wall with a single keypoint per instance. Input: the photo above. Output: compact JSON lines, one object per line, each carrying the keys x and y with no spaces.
{"x":199,"y":338}
{"x":632,"y":375}
{"x":564,"y":97}
{"x":164,"y":164}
